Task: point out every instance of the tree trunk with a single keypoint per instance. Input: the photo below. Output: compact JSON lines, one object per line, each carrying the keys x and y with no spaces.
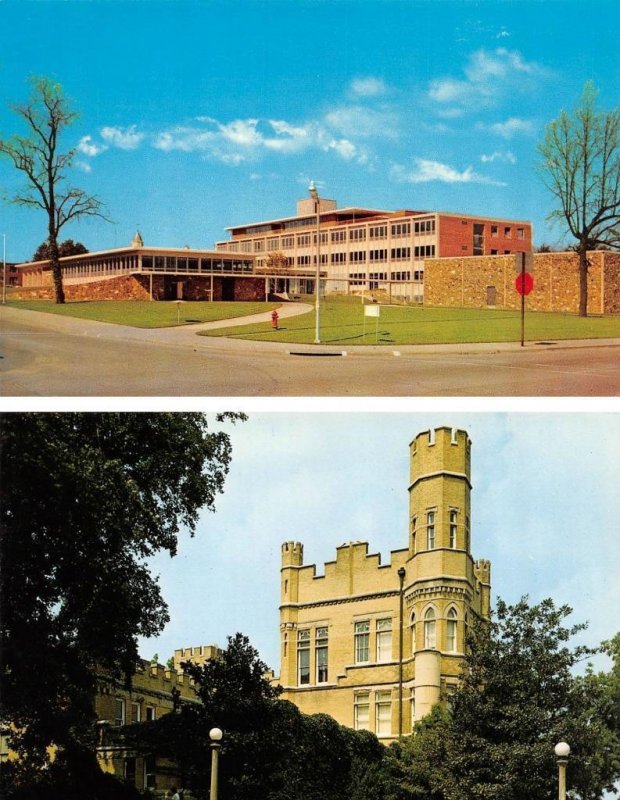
{"x":583,"y":279}
{"x":56,"y":270}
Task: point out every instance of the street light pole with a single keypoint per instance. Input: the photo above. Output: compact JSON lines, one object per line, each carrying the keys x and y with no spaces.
{"x":3,"y":268}
{"x":401,"y":578}
{"x":562,"y":751}
{"x":314,"y":194}
{"x":215,"y":734}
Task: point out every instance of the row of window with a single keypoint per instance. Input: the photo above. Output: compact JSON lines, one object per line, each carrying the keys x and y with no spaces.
{"x":126,"y":713}
{"x":431,"y":541}
{"x":362,"y":630}
{"x":382,"y":702}
{"x":507,"y":232}
{"x":187,"y":264}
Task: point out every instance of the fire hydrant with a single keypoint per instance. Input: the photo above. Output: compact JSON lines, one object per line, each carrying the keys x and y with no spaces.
{"x":274,"y":319}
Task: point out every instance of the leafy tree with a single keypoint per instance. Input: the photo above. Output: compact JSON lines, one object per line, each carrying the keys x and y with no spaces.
{"x":46,"y":115}
{"x":581,"y":169}
{"x":518,"y":698}
{"x":66,"y":248}
{"x":86,"y":499}
{"x":277,"y":262}
{"x":270,"y":749}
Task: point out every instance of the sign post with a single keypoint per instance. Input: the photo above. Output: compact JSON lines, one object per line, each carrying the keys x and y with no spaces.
{"x":372,"y":311}
{"x":524,"y":285}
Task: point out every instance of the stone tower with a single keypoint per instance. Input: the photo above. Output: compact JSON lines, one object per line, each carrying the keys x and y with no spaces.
{"x":340,"y":631}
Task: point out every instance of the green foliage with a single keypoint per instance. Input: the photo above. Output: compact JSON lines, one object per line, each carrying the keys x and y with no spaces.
{"x":518,"y":698}
{"x":86,"y":499}
{"x":270,"y":750}
{"x":66,"y":248}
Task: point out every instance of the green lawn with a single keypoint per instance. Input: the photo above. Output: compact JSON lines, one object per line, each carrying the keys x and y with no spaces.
{"x":146,"y":314}
{"x":342,"y":323}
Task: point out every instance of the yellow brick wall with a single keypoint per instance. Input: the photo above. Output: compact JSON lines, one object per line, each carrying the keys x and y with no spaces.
{"x":357,"y":587}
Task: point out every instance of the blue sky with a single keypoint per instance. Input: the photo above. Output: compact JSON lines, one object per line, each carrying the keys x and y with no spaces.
{"x":199,"y":115}
{"x":544,"y":511}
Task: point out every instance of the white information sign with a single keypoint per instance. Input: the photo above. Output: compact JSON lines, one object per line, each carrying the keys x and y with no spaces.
{"x":371,"y":310}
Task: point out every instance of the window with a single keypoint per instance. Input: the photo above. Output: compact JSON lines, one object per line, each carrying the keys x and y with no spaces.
{"x":357,"y":234}
{"x":361,"y":711}
{"x":288,"y":241}
{"x":425,"y":250}
{"x":412,"y":704}
{"x":467,"y":533}
{"x":424,"y":226}
{"x":430,"y":530}
{"x":321,"y":655}
{"x":134,"y":712}
{"x":149,"y":713}
{"x":383,"y":713}
{"x":378,"y":255}
{"x":451,"y":631}
{"x":357,"y":255}
{"x":339,"y":236}
{"x":508,"y":232}
{"x":399,"y":253}
{"x":453,"y":516}
{"x":401,"y":229}
{"x":495,"y":231}
{"x":119,"y":712}
{"x":429,"y":630}
{"x":304,"y":240}
{"x":520,"y":233}
{"x":400,"y":276}
{"x":259,"y":245}
{"x":414,"y":523}
{"x":357,"y":278}
{"x":149,"y":772}
{"x":362,"y":642}
{"x":384,"y":640}
{"x":338,"y":258}
{"x":272,"y":244}
{"x":413,"y":639}
{"x":378,"y":231}
{"x":303,"y":657}
{"x":303,"y":261}
{"x":130,"y":771}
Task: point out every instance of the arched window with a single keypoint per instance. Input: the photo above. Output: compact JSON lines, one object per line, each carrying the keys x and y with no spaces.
{"x":430,"y":637}
{"x":451,"y":631}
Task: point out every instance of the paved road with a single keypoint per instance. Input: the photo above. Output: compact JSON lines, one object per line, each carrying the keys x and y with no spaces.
{"x":46,"y":355}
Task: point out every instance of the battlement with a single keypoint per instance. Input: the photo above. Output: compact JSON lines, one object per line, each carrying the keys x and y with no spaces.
{"x":440,"y":450}
{"x":197,"y":655}
{"x":482,"y":570}
{"x":292,"y":554}
{"x":354,"y":572}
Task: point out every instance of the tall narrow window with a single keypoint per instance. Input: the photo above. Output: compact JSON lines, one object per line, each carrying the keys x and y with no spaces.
{"x":362,"y":642}
{"x":412,"y":704}
{"x":303,"y":657}
{"x":451,"y":631}
{"x":430,"y":638}
{"x":361,"y":711}
{"x":149,"y":713}
{"x":134,"y":712}
{"x":413,"y":639}
{"x":414,"y":525}
{"x":384,"y":640}
{"x":430,"y":530}
{"x":467,"y":534}
{"x":321,"y":654}
{"x":119,"y":712}
{"x":383,"y":713}
{"x":453,"y":515}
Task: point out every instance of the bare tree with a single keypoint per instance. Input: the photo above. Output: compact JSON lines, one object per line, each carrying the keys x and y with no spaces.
{"x":581,"y":168}
{"x":37,"y":155}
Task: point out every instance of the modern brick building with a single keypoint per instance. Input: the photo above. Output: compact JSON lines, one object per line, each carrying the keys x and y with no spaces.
{"x":364,"y":249}
{"x":341,"y":631}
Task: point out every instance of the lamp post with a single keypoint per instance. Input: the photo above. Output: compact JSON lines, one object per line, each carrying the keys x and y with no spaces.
{"x":314,"y":194}
{"x":562,"y":751}
{"x":401,"y":578}
{"x":215,"y":734}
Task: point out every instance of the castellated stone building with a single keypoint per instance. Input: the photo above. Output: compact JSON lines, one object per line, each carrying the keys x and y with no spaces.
{"x":377,"y":645}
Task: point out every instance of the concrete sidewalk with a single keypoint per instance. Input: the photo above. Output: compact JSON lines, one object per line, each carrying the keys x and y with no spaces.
{"x":187,"y":336}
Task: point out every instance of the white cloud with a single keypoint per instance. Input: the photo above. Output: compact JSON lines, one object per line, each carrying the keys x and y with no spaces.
{"x":361,"y":121}
{"x":426,"y":171}
{"x":83,"y":165}
{"x":123,"y":138}
{"x":506,"y":156}
{"x":368,"y":87}
{"x":88,"y":147}
{"x":487,"y":76}
{"x":511,"y":127}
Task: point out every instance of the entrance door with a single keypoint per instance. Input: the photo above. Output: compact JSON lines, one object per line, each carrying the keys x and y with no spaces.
{"x":491,"y":295}
{"x":228,"y":289}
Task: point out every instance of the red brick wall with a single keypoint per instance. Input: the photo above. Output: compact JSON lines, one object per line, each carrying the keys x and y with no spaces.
{"x":456,"y":236}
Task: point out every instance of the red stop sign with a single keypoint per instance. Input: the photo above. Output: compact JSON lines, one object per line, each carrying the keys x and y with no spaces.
{"x":524,"y":283}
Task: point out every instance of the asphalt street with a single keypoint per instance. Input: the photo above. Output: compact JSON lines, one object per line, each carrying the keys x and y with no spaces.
{"x":50,"y":356}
